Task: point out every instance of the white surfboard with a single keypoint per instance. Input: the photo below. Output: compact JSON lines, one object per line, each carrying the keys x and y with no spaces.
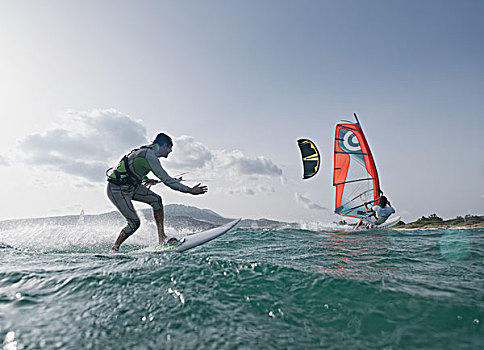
{"x":190,"y":241}
{"x":392,"y":221}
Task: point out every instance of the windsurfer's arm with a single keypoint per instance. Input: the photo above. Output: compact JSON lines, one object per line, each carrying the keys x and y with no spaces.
{"x":393,"y":209}
{"x":368,"y":209}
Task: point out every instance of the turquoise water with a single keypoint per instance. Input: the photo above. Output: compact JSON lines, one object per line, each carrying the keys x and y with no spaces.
{"x":249,"y":289}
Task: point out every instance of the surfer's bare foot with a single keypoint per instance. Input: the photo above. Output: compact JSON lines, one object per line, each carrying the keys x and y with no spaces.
{"x":114,"y":250}
{"x":162,"y":241}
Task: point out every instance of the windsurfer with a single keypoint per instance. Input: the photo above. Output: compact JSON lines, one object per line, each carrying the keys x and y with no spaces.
{"x":378,"y":214}
{"x":126,"y":183}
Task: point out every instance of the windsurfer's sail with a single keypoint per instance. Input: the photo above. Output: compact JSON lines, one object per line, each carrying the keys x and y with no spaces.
{"x":355,"y":176}
{"x":80,"y":221}
{"x":310,"y":157}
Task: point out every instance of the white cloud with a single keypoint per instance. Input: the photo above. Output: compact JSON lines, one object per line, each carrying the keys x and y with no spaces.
{"x":84,"y":143}
{"x":256,"y":166}
{"x":241,"y":191}
{"x":3,"y":161}
{"x":235,"y":163}
{"x":189,"y":154}
{"x":243,"y":174}
{"x":308,"y":203}
{"x":243,"y":188}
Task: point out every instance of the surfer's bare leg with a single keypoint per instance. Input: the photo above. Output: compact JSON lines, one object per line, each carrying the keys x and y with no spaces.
{"x":121,"y":238}
{"x":358,"y":225}
{"x":159,"y":220}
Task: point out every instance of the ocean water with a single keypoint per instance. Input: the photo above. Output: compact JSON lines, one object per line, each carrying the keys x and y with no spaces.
{"x":249,"y":289}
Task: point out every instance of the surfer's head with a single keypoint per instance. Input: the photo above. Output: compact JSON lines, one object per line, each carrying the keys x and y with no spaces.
{"x":162,"y":145}
{"x":383,"y":201}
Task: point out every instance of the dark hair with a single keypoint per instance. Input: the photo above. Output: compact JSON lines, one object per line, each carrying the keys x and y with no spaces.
{"x":163,"y":139}
{"x":383,"y":201}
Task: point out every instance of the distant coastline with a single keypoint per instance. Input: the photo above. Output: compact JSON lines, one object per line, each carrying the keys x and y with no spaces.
{"x":435,"y":222}
{"x":177,"y":216}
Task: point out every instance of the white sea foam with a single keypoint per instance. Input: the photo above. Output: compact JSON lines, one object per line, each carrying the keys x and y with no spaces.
{"x":48,"y":235}
{"x":322,"y":226}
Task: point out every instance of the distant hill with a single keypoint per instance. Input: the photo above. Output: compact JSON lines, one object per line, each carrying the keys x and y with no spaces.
{"x":195,"y":213}
{"x":434,"y":221}
{"x":177,"y":216}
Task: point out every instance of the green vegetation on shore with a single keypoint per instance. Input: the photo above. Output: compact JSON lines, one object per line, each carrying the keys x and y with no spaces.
{"x":434,"y":221}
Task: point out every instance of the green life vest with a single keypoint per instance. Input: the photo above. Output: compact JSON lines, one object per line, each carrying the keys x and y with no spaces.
{"x":122,"y":175}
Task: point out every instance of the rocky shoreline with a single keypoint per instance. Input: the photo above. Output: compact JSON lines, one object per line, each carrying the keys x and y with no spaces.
{"x":433,"y":222}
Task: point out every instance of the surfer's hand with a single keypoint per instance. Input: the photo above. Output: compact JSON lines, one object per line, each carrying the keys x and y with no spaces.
{"x":198,"y":189}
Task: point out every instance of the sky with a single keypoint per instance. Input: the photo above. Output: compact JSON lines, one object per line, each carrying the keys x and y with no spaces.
{"x":236,"y":84}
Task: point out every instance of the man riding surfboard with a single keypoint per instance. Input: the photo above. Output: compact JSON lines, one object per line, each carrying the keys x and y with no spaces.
{"x":128,"y":182}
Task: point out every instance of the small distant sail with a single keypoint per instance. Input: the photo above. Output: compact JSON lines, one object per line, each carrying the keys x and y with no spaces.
{"x":80,"y":221}
{"x":355,"y":176}
{"x":310,"y":157}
